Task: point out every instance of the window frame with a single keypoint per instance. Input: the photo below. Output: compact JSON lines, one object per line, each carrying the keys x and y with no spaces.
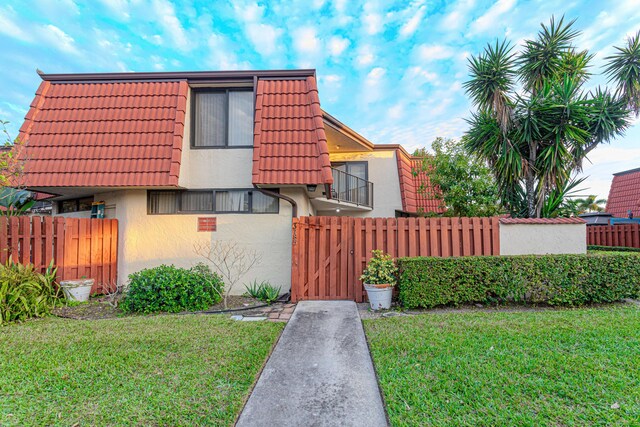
{"x":225,"y":90}
{"x":214,"y":211}
{"x":77,"y":205}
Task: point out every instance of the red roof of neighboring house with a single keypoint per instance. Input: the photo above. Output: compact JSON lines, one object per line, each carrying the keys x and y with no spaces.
{"x":542,"y":221}
{"x":290,"y":145}
{"x":105,"y":134}
{"x":624,"y":194}
{"x":415,"y":187}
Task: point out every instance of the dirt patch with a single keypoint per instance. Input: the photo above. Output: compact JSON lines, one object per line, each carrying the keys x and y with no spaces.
{"x":99,"y":308}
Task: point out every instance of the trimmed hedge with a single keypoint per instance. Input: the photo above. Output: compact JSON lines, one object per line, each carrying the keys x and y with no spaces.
{"x":530,"y":279}
{"x":612,"y":248}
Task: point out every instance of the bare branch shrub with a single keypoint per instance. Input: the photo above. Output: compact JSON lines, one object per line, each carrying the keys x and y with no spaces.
{"x":113,"y":294}
{"x":230,"y":259}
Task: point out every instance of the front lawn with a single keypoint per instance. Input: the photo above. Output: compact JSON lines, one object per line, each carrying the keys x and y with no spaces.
{"x":159,"y":370}
{"x":553,"y":367}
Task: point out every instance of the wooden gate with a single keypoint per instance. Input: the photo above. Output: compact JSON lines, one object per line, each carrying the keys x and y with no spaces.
{"x":78,"y":247}
{"x":330,"y":253}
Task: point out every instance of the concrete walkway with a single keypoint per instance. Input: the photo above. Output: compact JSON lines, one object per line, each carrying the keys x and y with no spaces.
{"x":320,"y":373}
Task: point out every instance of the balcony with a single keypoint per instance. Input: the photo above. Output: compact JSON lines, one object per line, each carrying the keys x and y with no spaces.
{"x":351,"y":189}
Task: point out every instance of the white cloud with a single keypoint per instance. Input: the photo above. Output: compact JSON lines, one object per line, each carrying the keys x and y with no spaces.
{"x":337,"y":45}
{"x":373,"y":84}
{"x":412,"y":24}
{"x":434,"y":52}
{"x":373,"y":23}
{"x":166,"y":16}
{"x":119,"y":8}
{"x":418,"y":76}
{"x":332,"y":78}
{"x":490,"y":19}
{"x":306,"y":41}
{"x":365,"y":55}
{"x":58,"y":39}
{"x":458,"y":15}
{"x":221,"y":55}
{"x":264,"y":37}
{"x":9,"y":27}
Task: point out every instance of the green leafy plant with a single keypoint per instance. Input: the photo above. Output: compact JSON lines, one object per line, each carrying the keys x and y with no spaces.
{"x":381,"y":270}
{"x":263,"y":291}
{"x":462,"y":183}
{"x":26,"y":293}
{"x":171,"y":289}
{"x":530,"y":279}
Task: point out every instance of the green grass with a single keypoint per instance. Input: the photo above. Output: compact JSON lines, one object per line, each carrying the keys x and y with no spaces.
{"x":545,"y":368}
{"x":160,"y":370}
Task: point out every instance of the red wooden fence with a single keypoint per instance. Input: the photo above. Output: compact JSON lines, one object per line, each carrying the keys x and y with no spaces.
{"x":330,"y":253}
{"x":79,"y":247}
{"x":614,"y":235}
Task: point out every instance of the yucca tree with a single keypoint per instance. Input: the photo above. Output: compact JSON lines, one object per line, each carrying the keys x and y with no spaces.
{"x":535,"y":122}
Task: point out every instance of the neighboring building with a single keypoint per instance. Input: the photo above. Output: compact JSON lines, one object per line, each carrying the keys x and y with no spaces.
{"x":624,"y":195}
{"x":249,"y":148}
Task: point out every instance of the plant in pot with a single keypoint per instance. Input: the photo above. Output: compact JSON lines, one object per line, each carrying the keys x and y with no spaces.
{"x":379,"y":278}
{"x":77,"y":290}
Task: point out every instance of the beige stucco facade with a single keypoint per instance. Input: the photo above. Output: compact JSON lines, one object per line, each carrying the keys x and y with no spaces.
{"x":540,"y":239}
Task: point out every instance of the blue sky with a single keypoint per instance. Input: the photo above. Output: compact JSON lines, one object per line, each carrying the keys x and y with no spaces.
{"x":393,"y":71}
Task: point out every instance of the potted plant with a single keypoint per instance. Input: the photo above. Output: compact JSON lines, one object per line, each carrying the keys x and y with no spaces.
{"x":379,"y":278}
{"x":77,"y":290}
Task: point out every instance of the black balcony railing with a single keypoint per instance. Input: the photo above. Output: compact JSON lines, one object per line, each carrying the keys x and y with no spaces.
{"x":351,"y":189}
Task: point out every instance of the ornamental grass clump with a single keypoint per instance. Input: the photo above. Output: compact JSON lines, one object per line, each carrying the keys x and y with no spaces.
{"x":26,"y":293}
{"x":381,"y":270}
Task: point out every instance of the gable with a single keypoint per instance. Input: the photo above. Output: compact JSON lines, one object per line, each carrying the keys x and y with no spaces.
{"x":624,"y":194}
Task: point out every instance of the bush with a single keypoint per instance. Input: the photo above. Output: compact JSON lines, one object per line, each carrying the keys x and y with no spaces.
{"x":263,"y":291}
{"x":171,"y":289}
{"x":546,"y":279}
{"x":26,"y":293}
{"x":612,"y":248}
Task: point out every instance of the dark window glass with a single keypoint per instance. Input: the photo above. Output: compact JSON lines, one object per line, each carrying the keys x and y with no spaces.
{"x":75,"y":205}
{"x":261,"y":203}
{"x":197,"y":201}
{"x":232,"y":201}
{"x":163,"y":202}
{"x":223,"y":118}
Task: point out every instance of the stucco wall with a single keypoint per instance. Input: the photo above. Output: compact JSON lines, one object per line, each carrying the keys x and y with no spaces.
{"x":540,"y":239}
{"x":383,"y":173}
{"x":150,"y":240}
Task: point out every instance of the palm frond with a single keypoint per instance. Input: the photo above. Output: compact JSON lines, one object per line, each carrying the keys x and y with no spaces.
{"x":623,"y":69}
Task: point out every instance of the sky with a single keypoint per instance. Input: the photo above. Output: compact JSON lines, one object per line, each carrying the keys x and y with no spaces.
{"x":391,"y":70}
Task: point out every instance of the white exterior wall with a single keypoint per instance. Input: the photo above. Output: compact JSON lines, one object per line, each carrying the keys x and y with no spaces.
{"x":540,"y":239}
{"x":150,"y":240}
{"x":383,"y":173}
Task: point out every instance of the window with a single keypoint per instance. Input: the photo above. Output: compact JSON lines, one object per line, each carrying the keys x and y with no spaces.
{"x":211,"y":201}
{"x":75,"y":205}
{"x":222,"y":118}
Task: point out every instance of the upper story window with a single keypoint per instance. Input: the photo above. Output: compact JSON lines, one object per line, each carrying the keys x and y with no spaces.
{"x":222,"y":118}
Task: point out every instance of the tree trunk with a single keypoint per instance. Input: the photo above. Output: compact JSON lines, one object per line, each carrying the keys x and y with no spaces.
{"x":530,"y":194}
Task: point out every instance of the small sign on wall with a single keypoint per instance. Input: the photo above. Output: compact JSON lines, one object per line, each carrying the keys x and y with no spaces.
{"x":207,"y":224}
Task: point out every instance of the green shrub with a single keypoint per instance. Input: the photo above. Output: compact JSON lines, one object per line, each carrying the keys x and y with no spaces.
{"x":26,"y":293}
{"x":263,"y":291}
{"x":546,"y":279}
{"x":612,"y":248}
{"x":171,"y":289}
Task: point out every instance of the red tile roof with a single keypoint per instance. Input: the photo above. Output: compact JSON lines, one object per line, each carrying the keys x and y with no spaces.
{"x":290,"y":145}
{"x":542,"y":221}
{"x":624,"y":194}
{"x":415,"y":187}
{"x":105,"y":134}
